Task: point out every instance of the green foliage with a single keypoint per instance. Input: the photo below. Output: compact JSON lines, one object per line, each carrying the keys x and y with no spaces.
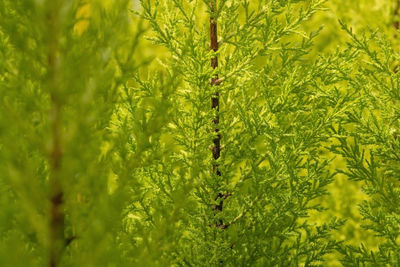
{"x":107,"y":132}
{"x":368,"y":142}
{"x":59,"y":85}
{"x":276,"y":111}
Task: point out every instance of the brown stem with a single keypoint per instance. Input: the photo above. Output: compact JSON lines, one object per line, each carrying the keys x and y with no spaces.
{"x":396,"y":14}
{"x":57,"y":239}
{"x":215,"y":81}
{"x":396,"y":25}
{"x":216,"y":150}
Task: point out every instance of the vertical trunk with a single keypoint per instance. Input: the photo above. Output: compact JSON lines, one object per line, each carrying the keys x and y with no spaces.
{"x":57,"y":239}
{"x":56,"y":225}
{"x":396,"y":15}
{"x":396,"y":25}
{"x":216,"y":149}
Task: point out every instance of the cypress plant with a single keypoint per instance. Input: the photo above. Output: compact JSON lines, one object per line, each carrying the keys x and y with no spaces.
{"x":272,"y":108}
{"x":112,"y":157}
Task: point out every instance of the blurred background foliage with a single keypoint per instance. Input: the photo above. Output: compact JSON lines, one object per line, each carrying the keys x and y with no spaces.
{"x":127,"y":47}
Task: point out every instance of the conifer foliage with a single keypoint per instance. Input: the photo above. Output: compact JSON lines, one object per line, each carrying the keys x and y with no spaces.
{"x":368,"y":141}
{"x":190,"y":133}
{"x":274,"y":111}
{"x":62,"y":67}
